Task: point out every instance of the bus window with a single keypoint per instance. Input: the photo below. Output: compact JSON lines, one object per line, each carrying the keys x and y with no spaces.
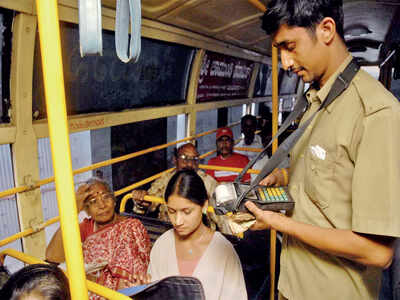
{"x":9,"y":224}
{"x":6,"y":18}
{"x":206,"y":120}
{"x":104,"y":83}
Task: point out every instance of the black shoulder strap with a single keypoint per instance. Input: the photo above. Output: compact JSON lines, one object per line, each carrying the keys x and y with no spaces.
{"x":341,"y":83}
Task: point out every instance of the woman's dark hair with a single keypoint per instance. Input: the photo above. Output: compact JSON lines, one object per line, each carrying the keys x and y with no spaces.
{"x":189,"y":185}
{"x":302,"y":13}
{"x":48,"y":281}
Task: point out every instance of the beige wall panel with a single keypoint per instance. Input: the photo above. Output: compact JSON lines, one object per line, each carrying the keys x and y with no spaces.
{"x":155,"y":8}
{"x":262,"y":44}
{"x":24,"y":149}
{"x":7,"y":134}
{"x":18,"y":5}
{"x":211,"y":16}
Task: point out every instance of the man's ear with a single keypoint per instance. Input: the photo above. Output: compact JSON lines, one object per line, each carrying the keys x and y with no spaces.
{"x":326,"y":30}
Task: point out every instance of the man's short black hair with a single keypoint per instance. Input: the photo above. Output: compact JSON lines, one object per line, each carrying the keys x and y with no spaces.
{"x":302,"y":13}
{"x":248,"y":117}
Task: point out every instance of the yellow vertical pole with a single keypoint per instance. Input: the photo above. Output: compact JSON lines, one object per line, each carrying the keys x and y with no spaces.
{"x":275,"y":112}
{"x":50,"y":45}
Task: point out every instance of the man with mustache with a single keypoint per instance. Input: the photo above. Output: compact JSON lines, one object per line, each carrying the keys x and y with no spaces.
{"x":345,"y":169}
{"x":227,"y":158}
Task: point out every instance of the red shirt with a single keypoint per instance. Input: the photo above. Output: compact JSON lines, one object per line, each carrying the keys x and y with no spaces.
{"x":236,"y":160}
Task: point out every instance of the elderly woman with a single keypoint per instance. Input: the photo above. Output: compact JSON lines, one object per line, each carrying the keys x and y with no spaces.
{"x":115,"y":248}
{"x":193,"y":249}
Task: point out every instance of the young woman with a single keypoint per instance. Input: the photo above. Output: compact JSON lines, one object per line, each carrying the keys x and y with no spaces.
{"x":191,"y":248}
{"x":116,"y":249}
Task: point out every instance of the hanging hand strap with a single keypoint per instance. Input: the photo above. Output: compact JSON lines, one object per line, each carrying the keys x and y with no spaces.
{"x":128,"y":11}
{"x":341,"y":83}
{"x":90,"y":38}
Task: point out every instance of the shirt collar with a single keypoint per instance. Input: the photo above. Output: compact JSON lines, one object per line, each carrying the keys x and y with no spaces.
{"x":320,"y":95}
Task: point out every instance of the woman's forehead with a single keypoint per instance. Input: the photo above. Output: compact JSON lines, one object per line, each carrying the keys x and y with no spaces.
{"x":177,"y":202}
{"x":98,"y":187}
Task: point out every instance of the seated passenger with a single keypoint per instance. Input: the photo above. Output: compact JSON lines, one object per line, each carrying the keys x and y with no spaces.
{"x":250,"y":138}
{"x":193,"y":249}
{"x":227,"y":158}
{"x":37,"y":282}
{"x":185,"y":157}
{"x":115,"y":248}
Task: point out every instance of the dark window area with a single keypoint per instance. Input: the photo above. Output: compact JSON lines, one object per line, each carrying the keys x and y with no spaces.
{"x":395,"y":84}
{"x":133,"y":137}
{"x":6,"y":18}
{"x":263,"y":85}
{"x":287,"y":83}
{"x":104,"y":83}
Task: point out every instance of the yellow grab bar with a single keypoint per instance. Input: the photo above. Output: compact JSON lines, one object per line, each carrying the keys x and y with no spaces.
{"x":149,"y":198}
{"x":39,"y":183}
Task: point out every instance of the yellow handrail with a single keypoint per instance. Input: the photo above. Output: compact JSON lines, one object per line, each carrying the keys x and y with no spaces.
{"x":149,"y":198}
{"x":92,"y":286}
{"x":41,"y":182}
{"x":27,"y":232}
{"x":220,"y":168}
{"x":50,"y":45}
{"x":248,"y":149}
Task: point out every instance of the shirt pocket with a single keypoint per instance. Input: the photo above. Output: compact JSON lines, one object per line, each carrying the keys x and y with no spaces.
{"x":319,"y":174}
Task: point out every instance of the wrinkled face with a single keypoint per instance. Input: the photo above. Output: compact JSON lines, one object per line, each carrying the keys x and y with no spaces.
{"x":185,"y":215}
{"x":249,"y":129}
{"x":301,"y":52}
{"x":225,"y":146}
{"x":188,"y":158}
{"x":100,"y":204}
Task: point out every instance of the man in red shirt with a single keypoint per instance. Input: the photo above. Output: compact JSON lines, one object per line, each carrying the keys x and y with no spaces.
{"x":227,"y":158}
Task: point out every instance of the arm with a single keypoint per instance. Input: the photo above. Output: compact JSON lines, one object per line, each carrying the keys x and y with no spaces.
{"x":362,"y":248}
{"x":55,"y":249}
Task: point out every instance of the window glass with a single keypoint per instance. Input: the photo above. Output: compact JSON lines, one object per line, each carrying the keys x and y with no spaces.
{"x":9,"y":223}
{"x":262,"y":88}
{"x":206,"y":120}
{"x":6,"y":18}
{"x":104,"y":83}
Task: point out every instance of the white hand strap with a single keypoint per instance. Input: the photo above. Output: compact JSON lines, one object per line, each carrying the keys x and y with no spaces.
{"x":90,"y":27}
{"x":128,"y":10}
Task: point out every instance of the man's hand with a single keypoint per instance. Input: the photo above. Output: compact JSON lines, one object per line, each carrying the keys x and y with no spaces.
{"x":278,"y":177}
{"x":263,"y":217}
{"x":271,"y":179}
{"x":138,"y":196}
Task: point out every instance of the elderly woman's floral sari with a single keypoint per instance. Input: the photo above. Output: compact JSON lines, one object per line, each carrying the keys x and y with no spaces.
{"x":120,"y":250}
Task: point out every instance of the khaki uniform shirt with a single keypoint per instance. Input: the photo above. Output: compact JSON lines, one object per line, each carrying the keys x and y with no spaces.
{"x":345,"y":174}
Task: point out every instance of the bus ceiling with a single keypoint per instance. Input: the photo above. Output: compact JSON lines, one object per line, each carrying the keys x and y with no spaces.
{"x":371,"y":27}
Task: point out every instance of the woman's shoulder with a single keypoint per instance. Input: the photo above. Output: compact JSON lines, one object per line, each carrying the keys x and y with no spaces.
{"x":222,"y":242}
{"x":164,"y":238}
